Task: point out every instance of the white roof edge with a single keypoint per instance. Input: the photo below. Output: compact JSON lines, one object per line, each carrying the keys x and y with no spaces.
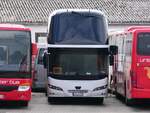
{"x":59,"y":11}
{"x":77,"y":46}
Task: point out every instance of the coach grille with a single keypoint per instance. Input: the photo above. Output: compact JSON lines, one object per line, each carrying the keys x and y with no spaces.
{"x":5,"y":88}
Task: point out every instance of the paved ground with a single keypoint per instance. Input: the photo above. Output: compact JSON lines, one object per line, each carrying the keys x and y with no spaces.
{"x":39,"y":104}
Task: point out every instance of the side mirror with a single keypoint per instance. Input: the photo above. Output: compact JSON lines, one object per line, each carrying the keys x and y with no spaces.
{"x":45,"y":60}
{"x":113,"y":50}
{"x":111,"y":60}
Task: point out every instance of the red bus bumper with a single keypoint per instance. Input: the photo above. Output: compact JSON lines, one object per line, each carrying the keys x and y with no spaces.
{"x":140,"y":93}
{"x":16,"y":95}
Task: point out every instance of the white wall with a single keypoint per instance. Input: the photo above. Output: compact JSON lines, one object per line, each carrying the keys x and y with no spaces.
{"x":37,"y":28}
{"x":117,"y":27}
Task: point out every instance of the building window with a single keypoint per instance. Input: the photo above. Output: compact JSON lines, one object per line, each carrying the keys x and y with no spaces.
{"x":41,"y":37}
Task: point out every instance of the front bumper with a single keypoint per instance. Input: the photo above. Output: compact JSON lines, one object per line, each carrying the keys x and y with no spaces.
{"x":55,"y":93}
{"x":16,"y":95}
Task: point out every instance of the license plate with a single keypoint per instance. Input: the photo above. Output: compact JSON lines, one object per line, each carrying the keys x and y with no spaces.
{"x":77,"y":94}
{"x":1,"y":96}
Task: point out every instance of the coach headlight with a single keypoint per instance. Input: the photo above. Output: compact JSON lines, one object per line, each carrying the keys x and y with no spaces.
{"x":24,"y":87}
{"x":100,"y":88}
{"x":55,"y":87}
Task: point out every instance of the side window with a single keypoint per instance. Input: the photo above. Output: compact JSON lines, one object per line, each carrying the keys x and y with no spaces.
{"x":120,"y":44}
{"x":128,"y":47}
{"x":40,"y":56}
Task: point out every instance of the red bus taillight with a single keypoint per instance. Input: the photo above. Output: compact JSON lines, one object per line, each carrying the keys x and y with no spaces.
{"x":133,"y":78}
{"x":34,"y":49}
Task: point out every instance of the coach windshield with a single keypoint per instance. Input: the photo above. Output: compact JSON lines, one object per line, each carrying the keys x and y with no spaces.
{"x":79,"y":64}
{"x":15,"y":51}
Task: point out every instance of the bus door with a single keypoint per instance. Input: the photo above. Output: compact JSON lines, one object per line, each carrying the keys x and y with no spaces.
{"x":143,"y":60}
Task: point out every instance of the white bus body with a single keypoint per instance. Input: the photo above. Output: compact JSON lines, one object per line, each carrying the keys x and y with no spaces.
{"x":87,"y":85}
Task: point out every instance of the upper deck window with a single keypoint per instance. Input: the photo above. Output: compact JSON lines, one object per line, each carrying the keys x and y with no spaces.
{"x":78,"y":28}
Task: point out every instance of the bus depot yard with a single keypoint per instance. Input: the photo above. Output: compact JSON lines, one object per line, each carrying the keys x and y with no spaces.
{"x":74,"y":66}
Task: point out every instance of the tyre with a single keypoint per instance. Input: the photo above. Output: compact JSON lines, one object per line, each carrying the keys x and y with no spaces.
{"x":46,"y":92}
{"x":100,"y":100}
{"x":117,"y":95}
{"x":51,"y":100}
{"x":128,"y":102}
{"x":24,"y":103}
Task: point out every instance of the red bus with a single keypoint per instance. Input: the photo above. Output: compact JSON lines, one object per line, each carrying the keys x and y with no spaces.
{"x":131,"y":69}
{"x":15,"y":63}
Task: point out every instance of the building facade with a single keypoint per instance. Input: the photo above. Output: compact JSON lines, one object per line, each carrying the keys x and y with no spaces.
{"x":34,"y":13}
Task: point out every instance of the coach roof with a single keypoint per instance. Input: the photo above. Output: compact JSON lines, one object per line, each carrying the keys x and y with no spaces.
{"x":13,"y":27}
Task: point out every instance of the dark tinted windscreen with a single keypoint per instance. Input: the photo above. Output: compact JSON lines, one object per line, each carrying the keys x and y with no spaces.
{"x":78,"y":28}
{"x":143,"y":44}
{"x":15,"y":51}
{"x":79,"y":62}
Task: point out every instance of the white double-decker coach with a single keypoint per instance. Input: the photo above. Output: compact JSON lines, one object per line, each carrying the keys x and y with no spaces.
{"x":77,"y":59}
